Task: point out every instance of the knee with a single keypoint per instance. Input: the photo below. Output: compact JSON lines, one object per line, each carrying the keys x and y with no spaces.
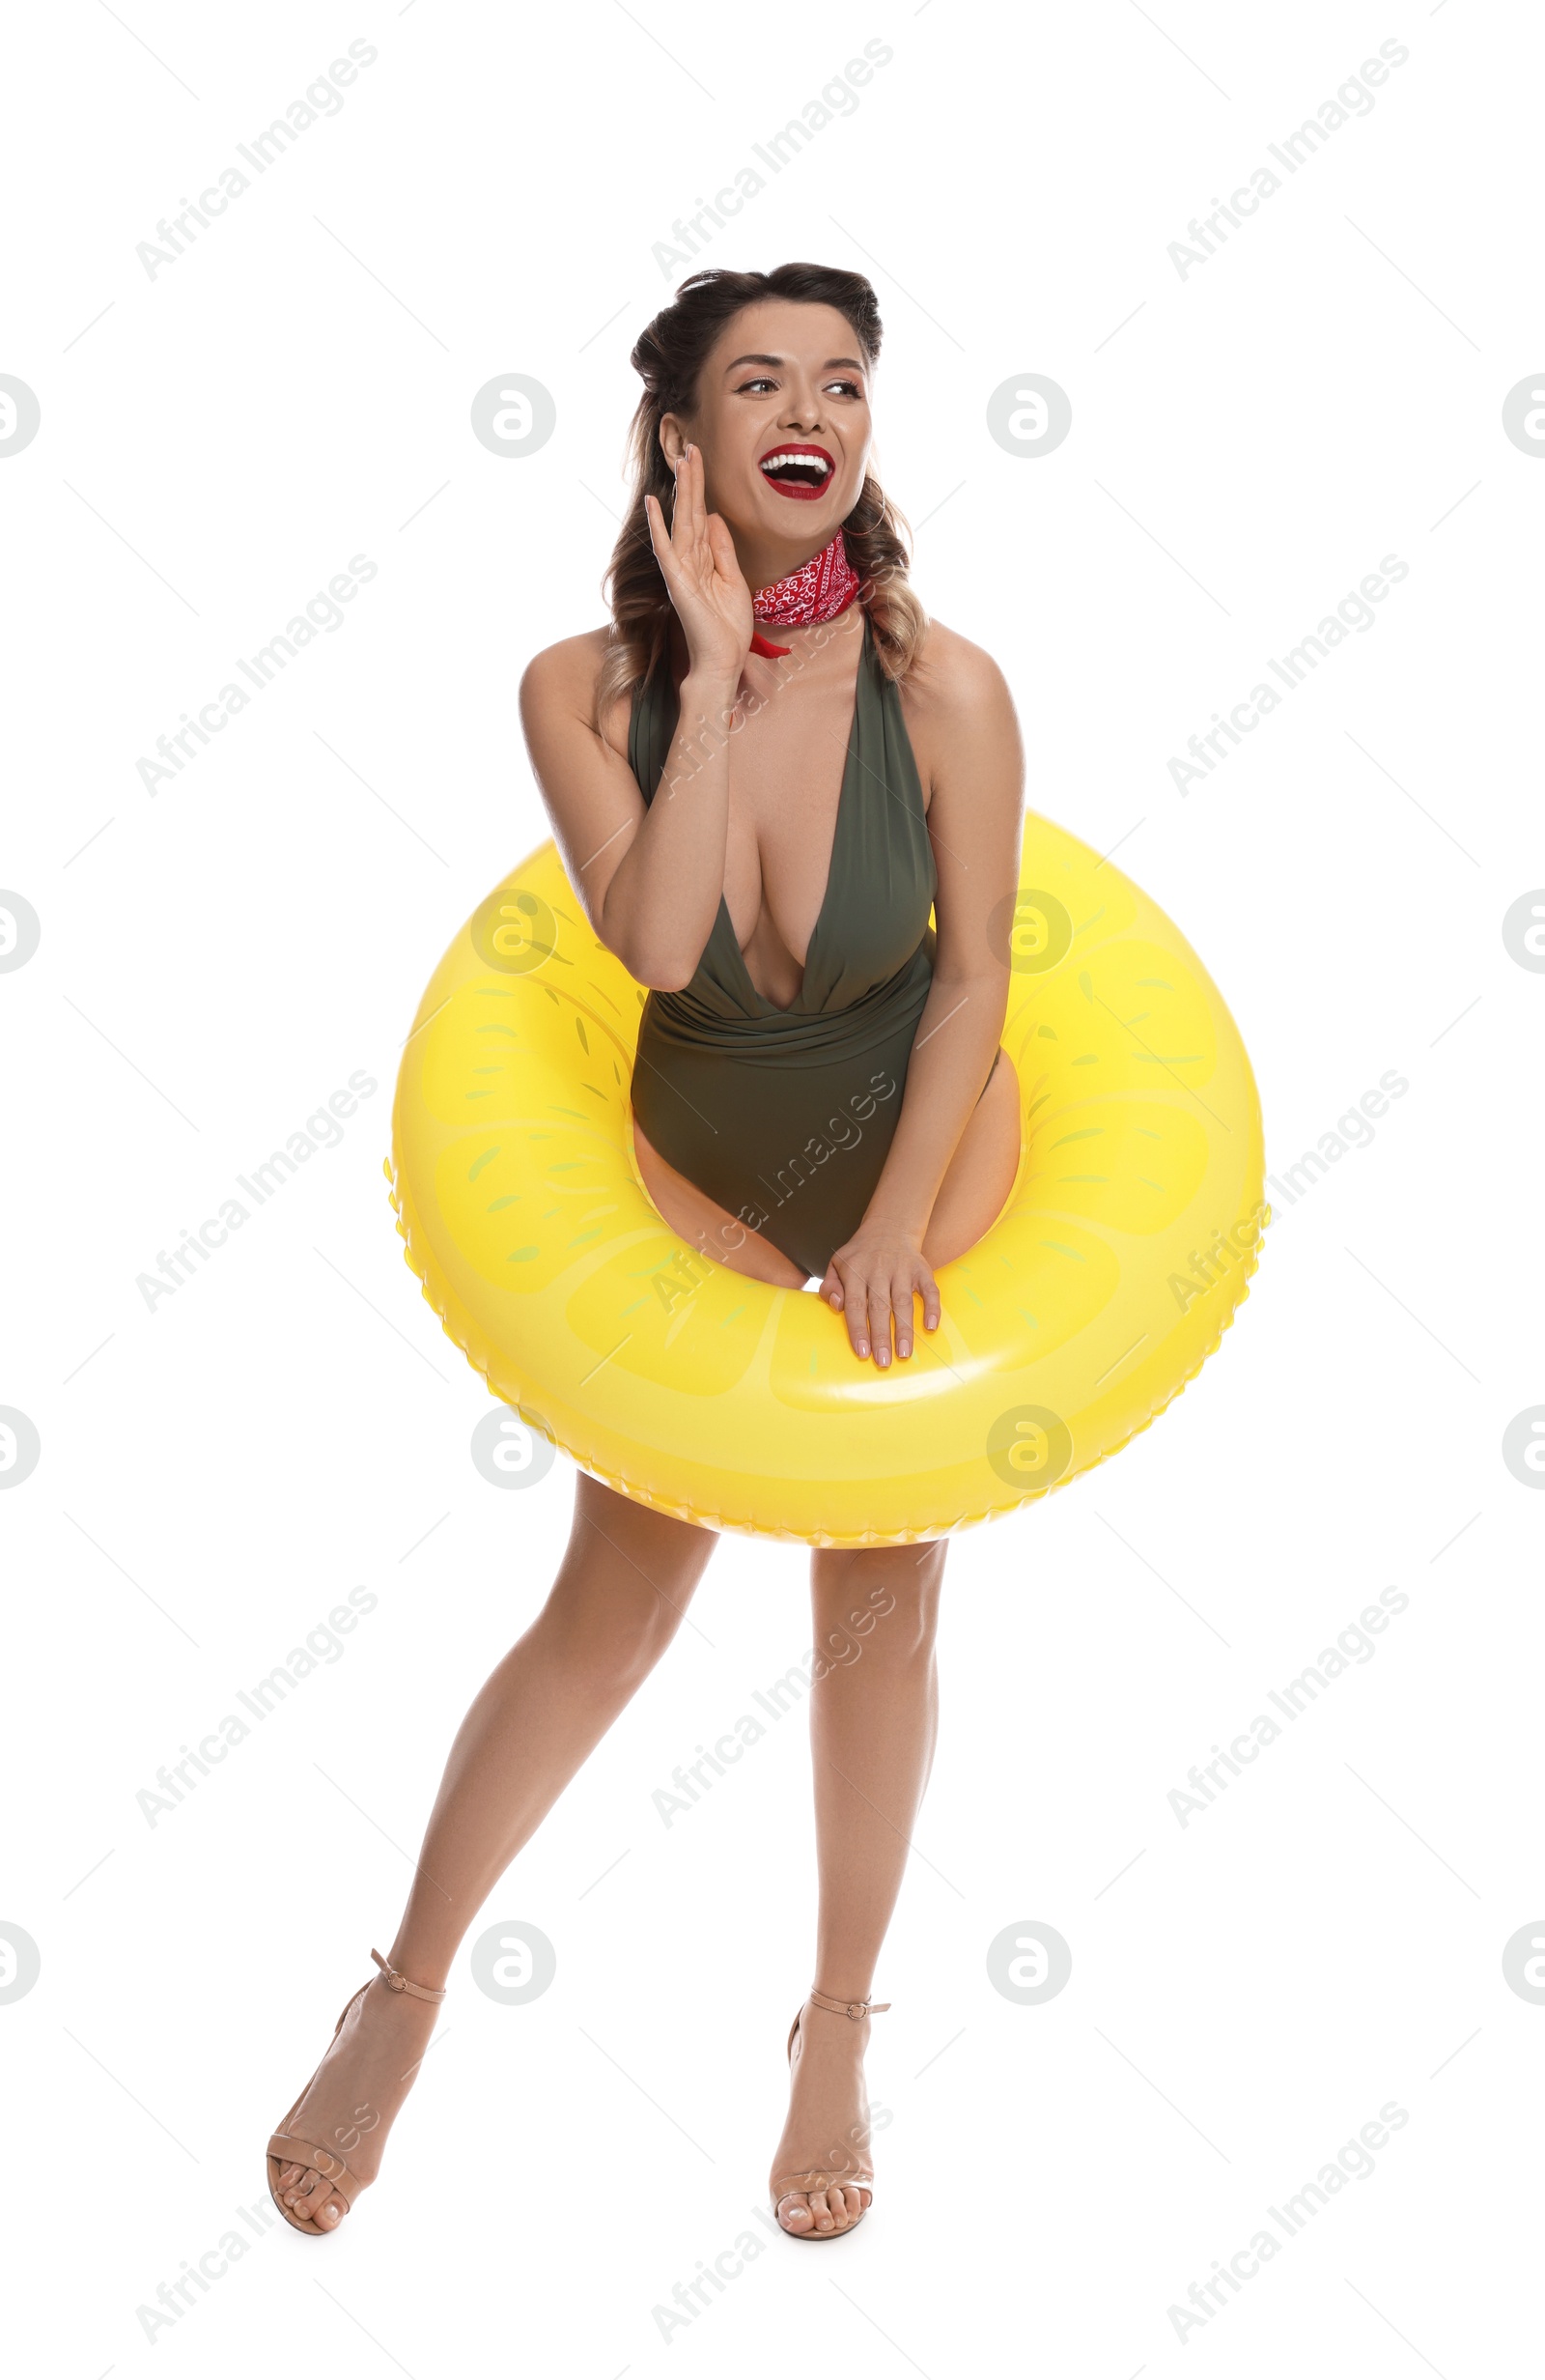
{"x":884,"y":1602}
{"x":626,"y":1581}
{"x":636,"y":1639}
{"x":616,"y":1644}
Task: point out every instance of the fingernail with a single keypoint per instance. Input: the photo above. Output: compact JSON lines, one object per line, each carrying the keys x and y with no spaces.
{"x":863,"y":1346}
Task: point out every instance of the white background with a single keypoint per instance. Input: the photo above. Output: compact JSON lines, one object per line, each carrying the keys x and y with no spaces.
{"x":1247,"y":441}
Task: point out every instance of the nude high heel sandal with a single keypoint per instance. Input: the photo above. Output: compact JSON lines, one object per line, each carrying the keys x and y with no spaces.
{"x":287,"y":2149}
{"x":816,"y":2180}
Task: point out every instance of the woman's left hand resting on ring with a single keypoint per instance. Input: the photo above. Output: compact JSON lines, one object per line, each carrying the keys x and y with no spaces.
{"x":872,"y":1279}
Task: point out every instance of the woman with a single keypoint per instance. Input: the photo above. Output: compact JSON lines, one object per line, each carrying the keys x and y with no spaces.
{"x":756,"y":825}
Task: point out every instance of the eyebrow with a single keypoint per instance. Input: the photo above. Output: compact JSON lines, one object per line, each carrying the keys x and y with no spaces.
{"x":850,"y":362}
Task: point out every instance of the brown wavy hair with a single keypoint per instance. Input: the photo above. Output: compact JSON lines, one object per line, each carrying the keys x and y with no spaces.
{"x":668,"y":357}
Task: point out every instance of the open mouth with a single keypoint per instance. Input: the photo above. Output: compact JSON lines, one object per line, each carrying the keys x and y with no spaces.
{"x":798,"y":471}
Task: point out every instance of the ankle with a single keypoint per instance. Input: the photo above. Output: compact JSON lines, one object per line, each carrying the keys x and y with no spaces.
{"x":854,"y":2008}
{"x":420,"y":1965}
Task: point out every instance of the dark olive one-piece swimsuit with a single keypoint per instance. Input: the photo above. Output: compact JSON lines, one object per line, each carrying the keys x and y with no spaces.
{"x":786,"y":1115}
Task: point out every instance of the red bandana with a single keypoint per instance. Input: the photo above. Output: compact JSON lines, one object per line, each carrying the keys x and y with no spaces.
{"x":818,"y":590}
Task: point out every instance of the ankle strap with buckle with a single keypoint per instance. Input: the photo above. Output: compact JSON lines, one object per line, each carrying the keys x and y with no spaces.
{"x":396,"y":1982}
{"x":855,"y":2008}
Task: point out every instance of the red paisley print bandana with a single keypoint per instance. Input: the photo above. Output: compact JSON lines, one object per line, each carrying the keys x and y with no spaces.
{"x":818,"y":590}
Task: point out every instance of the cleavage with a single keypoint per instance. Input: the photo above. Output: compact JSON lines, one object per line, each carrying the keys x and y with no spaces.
{"x":786,"y":774}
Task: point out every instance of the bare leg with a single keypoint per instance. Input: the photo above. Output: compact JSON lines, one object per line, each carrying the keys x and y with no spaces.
{"x":625,"y":1581}
{"x":874,"y":1718}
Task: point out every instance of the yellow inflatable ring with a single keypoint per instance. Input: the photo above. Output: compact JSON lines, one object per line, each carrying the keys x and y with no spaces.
{"x":1110,"y":1276}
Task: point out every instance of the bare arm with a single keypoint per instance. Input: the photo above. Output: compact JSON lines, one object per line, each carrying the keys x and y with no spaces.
{"x":974,"y":823}
{"x":649,"y":875}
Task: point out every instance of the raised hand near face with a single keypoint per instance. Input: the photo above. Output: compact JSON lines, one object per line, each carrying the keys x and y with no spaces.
{"x":703,"y":578}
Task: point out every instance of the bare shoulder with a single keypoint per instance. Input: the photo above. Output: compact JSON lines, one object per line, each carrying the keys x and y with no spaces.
{"x":953,"y":681}
{"x":961,"y":717}
{"x":558,"y":688}
{"x":565,"y":669}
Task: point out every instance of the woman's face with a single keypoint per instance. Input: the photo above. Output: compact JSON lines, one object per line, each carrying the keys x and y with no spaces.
{"x":783,"y":421}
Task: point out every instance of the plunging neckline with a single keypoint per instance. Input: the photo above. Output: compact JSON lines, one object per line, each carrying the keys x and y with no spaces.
{"x":723,"y":919}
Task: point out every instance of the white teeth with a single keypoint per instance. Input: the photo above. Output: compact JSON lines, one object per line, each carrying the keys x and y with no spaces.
{"x":781,"y":462}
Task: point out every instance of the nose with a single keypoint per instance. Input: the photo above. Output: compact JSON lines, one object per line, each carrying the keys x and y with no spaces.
{"x":804,"y":411}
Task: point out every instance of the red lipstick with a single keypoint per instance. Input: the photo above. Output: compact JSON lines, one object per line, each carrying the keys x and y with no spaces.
{"x":798,"y":469}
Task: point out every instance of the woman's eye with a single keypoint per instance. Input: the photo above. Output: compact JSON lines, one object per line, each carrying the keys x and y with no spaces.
{"x":849,"y":389}
{"x":760,"y":383}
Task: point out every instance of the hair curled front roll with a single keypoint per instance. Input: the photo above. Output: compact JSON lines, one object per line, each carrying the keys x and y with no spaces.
{"x":668,"y":357}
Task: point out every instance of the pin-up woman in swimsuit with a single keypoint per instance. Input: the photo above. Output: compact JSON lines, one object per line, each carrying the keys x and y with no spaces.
{"x":760,"y":775}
